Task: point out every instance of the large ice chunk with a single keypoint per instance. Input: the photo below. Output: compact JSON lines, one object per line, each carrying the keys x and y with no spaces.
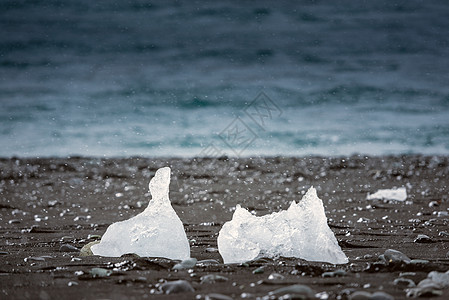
{"x":396,"y":194}
{"x":156,"y":232}
{"x":300,"y":231}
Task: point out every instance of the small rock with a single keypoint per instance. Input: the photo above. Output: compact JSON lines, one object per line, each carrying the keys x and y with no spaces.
{"x":433,"y":203}
{"x":14,"y":221}
{"x":259,"y":270}
{"x":404,"y":282}
{"x":212,"y":250}
{"x":441,"y":214}
{"x":404,"y":274}
{"x":53,"y":203}
{"x":419,"y":262}
{"x":394,"y":256}
{"x":94,"y":237}
{"x":336,"y":273}
{"x":86,"y":251}
{"x":422,"y":238}
{"x":68,"y":248}
{"x":208,"y":262}
{"x":425,"y":288}
{"x":3,"y":253}
{"x":276,"y":276}
{"x":439,"y":277}
{"x":178,"y":286}
{"x":185,"y":264}
{"x":295,"y":291}
{"x":34,"y":259}
{"x":362,"y":295}
{"x":212,"y":278}
{"x":443,"y":233}
{"x":72,"y":283}
{"x":100,"y":272}
{"x":215,"y":296}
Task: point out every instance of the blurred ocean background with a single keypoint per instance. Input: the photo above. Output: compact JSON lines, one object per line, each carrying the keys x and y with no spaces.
{"x":175,"y":78}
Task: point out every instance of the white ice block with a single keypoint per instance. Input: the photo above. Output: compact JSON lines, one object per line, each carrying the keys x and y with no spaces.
{"x":156,"y":232}
{"x":300,"y":231}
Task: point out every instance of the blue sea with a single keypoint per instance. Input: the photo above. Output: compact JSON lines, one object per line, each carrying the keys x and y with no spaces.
{"x":212,"y":78}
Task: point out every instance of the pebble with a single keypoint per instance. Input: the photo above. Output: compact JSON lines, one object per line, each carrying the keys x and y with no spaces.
{"x":433,"y":203}
{"x":336,"y":273}
{"x":259,"y":270}
{"x":72,"y":283}
{"x":362,"y":295}
{"x":185,"y":264}
{"x":3,"y":253}
{"x":422,"y":238}
{"x":419,"y":262}
{"x":94,"y":237}
{"x":68,"y":248}
{"x":208,"y":262}
{"x":212,"y":250}
{"x":395,"y":256}
{"x":178,"y":286}
{"x":34,"y":259}
{"x":212,"y":278}
{"x":215,"y":296}
{"x":53,"y":203}
{"x":443,"y":233}
{"x":425,"y":288}
{"x":86,"y":251}
{"x":14,"y":221}
{"x":404,"y":282}
{"x":443,"y":214}
{"x":276,"y":276}
{"x":296,"y":291}
{"x":440,"y":278}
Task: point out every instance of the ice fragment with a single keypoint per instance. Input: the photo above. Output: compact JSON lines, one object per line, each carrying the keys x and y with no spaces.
{"x":396,"y":194}
{"x":300,"y":231}
{"x":156,"y":232}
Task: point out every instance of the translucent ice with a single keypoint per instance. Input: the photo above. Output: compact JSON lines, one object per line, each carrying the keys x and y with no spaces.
{"x":300,"y":231}
{"x":156,"y":232}
{"x":397,"y":194}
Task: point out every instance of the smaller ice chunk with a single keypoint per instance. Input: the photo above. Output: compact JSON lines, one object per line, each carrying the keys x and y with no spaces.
{"x":395,"y":194}
{"x":155,"y":232}
{"x":300,"y":231}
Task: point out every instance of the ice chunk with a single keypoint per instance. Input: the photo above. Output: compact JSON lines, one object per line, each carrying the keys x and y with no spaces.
{"x":156,"y":232}
{"x":396,"y":194}
{"x":300,"y":231}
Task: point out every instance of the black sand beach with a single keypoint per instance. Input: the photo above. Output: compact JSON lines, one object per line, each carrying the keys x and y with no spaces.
{"x":46,"y":203}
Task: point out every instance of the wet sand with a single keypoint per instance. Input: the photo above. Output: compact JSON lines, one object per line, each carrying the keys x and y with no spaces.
{"x":46,"y":203}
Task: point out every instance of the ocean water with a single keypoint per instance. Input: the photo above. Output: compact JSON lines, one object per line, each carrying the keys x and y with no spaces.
{"x":210,"y":78}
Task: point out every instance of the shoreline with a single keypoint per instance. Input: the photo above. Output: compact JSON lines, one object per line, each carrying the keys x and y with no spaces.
{"x":66,"y":199}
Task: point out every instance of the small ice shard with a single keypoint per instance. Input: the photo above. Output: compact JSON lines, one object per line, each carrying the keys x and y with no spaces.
{"x":300,"y":231}
{"x":396,"y":194}
{"x":156,"y":232}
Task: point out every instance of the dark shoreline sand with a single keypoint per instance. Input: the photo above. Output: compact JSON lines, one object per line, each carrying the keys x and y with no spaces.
{"x":70,"y":198}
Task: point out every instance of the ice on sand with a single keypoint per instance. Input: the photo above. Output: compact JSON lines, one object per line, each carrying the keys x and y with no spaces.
{"x":156,"y":232}
{"x":396,"y":194}
{"x":300,"y":231}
